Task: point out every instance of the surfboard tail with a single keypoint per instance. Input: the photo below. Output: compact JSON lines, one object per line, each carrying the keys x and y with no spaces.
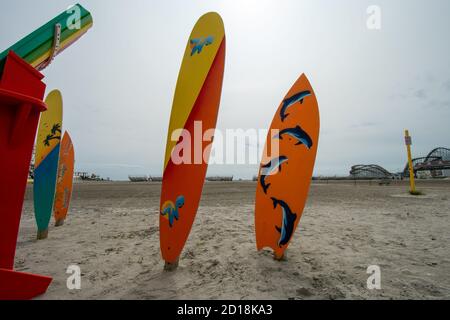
{"x":265,"y":187}
{"x":274,"y":202}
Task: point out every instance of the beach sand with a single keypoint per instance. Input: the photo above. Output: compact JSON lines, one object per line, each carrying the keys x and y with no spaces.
{"x":111,"y":233}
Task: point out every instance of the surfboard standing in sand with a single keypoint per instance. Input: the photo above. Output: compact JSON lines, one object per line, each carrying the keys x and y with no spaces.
{"x":195,"y":105}
{"x":64,"y":182}
{"x":284,"y":179}
{"x":46,"y":162}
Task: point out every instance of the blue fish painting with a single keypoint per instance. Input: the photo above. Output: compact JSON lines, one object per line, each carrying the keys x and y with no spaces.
{"x":274,"y":166}
{"x":287,"y":103}
{"x":301,"y":136}
{"x":198,"y":44}
{"x":287,"y":223}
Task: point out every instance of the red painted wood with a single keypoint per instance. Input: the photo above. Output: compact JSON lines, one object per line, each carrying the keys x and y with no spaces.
{"x":21,"y":94}
{"x":21,"y":286}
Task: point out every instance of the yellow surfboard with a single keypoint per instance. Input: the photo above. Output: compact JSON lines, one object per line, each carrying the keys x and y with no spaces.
{"x":197,"y":61}
{"x":49,"y":131}
{"x":196,"y":101}
{"x":46,"y":161}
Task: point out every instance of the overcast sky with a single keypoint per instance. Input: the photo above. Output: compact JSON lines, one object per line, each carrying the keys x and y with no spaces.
{"x":118,"y":80}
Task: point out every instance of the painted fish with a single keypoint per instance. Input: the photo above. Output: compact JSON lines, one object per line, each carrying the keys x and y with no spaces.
{"x":171,"y":211}
{"x":198,"y":44}
{"x":298,"y":97}
{"x":297,"y":133}
{"x":287,"y":225}
{"x":270,"y":168}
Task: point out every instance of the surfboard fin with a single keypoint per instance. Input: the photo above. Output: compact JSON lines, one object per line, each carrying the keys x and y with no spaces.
{"x":265,"y":187}
{"x":278,"y":229}
{"x":275,"y":201}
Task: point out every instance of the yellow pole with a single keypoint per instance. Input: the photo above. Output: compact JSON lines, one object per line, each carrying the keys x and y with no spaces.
{"x":411,"y":169}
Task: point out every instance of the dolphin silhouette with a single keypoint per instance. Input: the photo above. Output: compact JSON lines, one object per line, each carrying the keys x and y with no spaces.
{"x":198,"y":44}
{"x":269,"y":169}
{"x":298,"y":97}
{"x":299,"y":134}
{"x":287,"y":224}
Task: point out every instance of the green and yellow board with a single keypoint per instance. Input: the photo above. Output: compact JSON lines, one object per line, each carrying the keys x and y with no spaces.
{"x":37,"y":47}
{"x":196,"y":100}
{"x":46,"y":161}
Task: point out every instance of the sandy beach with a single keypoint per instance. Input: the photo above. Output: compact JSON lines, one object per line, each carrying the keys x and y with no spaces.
{"x":112,"y":234}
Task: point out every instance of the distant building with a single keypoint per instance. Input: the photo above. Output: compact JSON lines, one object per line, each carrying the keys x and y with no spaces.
{"x":219,"y":178}
{"x":435,"y":165}
{"x":84,"y":176}
{"x":138,"y":178}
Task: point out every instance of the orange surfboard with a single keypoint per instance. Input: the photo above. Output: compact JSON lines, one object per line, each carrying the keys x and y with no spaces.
{"x":194,"y":111}
{"x":286,"y":168}
{"x":64,"y":183}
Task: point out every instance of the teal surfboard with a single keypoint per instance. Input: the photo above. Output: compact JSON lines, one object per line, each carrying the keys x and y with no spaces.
{"x":46,"y":162}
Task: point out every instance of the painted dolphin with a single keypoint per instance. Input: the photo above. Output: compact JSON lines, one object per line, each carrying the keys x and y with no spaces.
{"x":171,"y":211}
{"x":287,"y":224}
{"x":270,"y":168}
{"x":297,"y":133}
{"x":198,"y":44}
{"x":298,"y":97}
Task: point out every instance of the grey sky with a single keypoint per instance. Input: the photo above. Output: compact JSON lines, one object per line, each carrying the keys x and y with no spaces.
{"x":118,"y":80}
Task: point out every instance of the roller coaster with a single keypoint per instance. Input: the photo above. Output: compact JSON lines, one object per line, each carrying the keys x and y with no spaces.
{"x":370,"y":171}
{"x":435,"y":162}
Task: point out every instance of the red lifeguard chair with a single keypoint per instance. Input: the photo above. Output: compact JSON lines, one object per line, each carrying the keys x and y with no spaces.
{"x":21,"y":94}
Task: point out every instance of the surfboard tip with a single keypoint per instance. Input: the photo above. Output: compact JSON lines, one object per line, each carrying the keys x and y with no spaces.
{"x":280,"y":257}
{"x":42,"y":234}
{"x":171,"y":266}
